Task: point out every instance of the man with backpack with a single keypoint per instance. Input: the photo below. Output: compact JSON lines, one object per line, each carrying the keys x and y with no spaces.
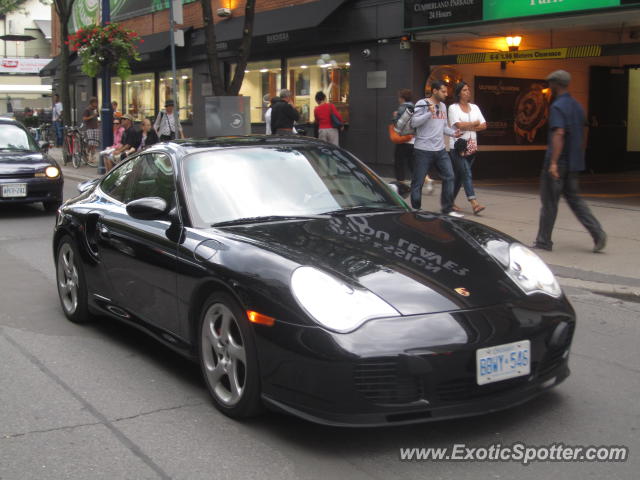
{"x":430,"y":121}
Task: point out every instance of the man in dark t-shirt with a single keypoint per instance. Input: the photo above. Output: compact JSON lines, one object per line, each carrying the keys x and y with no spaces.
{"x":563,"y":162}
{"x":131,"y":138}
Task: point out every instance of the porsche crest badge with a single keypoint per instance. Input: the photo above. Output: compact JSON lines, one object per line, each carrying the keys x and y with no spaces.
{"x":462,"y":291}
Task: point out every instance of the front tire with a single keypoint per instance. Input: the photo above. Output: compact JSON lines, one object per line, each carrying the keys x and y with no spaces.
{"x":228,"y":358}
{"x":72,"y":288}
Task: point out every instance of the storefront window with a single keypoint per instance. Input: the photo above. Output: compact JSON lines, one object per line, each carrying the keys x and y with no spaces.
{"x":140,"y":96}
{"x":116,"y":92}
{"x":328,"y":73}
{"x":261,"y":83}
{"x":184,"y":81}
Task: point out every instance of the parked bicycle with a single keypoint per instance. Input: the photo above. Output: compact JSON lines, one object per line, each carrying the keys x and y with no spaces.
{"x":75,"y":148}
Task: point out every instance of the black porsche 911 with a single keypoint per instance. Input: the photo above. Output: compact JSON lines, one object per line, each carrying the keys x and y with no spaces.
{"x":300,"y":281}
{"x":27,"y":173}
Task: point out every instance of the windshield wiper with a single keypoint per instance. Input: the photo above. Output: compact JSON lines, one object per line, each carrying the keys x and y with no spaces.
{"x":266,"y":219}
{"x":362,"y":209}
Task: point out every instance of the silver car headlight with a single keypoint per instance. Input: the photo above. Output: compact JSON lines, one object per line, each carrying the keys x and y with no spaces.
{"x":530,"y":272}
{"x":334,"y":304}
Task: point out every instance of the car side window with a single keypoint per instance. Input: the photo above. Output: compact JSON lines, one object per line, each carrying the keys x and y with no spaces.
{"x":116,"y":183}
{"x":152,"y":176}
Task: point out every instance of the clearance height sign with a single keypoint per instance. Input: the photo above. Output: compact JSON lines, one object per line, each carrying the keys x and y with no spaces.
{"x":427,"y":14}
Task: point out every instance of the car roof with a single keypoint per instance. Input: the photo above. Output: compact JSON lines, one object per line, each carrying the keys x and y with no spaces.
{"x":10,"y":121}
{"x":191,"y":145}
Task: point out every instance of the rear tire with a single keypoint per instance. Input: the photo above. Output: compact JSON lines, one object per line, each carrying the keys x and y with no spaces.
{"x":72,"y":288}
{"x":76,"y":159}
{"x":228,"y":357}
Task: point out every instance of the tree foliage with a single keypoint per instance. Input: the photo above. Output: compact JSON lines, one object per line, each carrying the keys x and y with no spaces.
{"x":10,"y":6}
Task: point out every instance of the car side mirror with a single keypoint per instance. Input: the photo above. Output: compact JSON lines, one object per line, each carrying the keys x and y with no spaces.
{"x":148,"y":208}
{"x":86,"y":185}
{"x":44,"y":146}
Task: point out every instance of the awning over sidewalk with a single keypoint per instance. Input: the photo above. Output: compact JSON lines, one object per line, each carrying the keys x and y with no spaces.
{"x":299,"y":17}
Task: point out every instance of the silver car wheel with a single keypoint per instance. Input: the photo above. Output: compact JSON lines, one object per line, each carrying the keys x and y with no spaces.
{"x":67,"y":279}
{"x":223,"y":354}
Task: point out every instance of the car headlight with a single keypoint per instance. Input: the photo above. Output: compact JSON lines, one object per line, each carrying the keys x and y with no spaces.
{"x":49,"y":172}
{"x":334,"y":304}
{"x":530,"y":272}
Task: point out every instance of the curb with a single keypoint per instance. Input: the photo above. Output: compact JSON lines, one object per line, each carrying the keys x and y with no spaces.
{"x":632,"y":293}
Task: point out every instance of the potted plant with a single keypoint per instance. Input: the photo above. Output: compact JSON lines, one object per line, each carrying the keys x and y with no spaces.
{"x":100,"y":46}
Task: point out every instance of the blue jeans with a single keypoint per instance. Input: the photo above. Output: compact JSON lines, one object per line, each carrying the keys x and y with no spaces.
{"x":58,"y":126}
{"x":423,"y":160}
{"x":462,"y":168}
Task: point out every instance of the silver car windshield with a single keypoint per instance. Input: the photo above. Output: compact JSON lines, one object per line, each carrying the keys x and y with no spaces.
{"x":270,"y":182}
{"x":15,"y":138}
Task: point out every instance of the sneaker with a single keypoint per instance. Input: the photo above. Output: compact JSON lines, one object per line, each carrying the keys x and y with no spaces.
{"x":600,"y":243}
{"x":429,"y":186}
{"x":455,"y":214}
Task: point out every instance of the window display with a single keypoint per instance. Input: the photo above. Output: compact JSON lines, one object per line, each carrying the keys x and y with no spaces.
{"x":184,"y":78}
{"x":261,"y":82}
{"x":327,"y":72}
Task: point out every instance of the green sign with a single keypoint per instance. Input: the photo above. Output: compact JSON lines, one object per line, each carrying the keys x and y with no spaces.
{"x":438,"y":14}
{"x":86,"y":12}
{"x":502,"y":9}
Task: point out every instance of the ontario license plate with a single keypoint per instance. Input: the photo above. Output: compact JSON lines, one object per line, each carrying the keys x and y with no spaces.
{"x":14,"y":190}
{"x":502,"y":362}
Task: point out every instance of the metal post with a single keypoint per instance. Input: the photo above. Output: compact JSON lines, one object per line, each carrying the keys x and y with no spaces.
{"x":174,"y":83}
{"x":106,"y":114}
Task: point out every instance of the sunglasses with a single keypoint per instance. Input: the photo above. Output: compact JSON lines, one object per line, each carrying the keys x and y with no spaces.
{"x":116,"y":123}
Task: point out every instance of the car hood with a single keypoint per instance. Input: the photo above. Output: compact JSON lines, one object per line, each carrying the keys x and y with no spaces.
{"x":22,"y":162}
{"x":418,"y":262}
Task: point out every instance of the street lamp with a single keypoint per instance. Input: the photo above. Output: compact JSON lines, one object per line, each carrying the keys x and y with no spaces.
{"x":513,"y":43}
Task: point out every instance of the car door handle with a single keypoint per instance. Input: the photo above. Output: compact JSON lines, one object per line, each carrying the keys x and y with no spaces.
{"x":104,"y":231}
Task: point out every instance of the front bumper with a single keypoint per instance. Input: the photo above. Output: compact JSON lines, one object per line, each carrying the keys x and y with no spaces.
{"x":38,"y":190}
{"x":424,"y":369}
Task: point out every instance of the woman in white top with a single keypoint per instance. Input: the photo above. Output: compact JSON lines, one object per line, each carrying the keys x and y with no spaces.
{"x":467,"y":117}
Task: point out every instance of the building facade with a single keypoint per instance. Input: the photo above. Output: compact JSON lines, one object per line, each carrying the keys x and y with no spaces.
{"x":361,"y":52}
{"x":25,"y":48}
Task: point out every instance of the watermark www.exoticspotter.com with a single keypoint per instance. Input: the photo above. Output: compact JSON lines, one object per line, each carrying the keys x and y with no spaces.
{"x":516,"y":452}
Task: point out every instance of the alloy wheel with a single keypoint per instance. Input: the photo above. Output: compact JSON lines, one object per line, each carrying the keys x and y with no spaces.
{"x":223,"y":354}
{"x":68,"y":282}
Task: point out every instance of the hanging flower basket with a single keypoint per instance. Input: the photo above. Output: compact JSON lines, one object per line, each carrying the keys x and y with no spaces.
{"x":109,"y":45}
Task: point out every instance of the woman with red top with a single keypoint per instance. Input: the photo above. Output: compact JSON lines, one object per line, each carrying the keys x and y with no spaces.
{"x":322,"y":113}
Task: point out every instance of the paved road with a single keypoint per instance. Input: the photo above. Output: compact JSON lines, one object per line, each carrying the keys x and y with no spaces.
{"x":103,"y":401}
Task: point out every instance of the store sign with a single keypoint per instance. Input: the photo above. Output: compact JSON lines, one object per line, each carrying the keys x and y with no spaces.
{"x":501,"y":9}
{"x":277,"y":38}
{"x":23,"y":65}
{"x":426,"y":14}
{"x":516,"y":110}
{"x":432,"y":13}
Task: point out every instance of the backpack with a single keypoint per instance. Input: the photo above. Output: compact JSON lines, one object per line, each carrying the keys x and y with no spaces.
{"x":403,"y":123}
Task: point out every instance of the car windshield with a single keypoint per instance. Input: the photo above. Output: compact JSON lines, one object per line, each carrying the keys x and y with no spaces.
{"x":14,"y":138}
{"x":246,"y":183}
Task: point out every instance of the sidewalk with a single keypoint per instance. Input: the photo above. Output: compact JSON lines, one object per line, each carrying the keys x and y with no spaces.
{"x":615,"y":271}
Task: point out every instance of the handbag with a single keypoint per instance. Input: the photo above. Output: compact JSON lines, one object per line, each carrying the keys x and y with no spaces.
{"x":396,"y":138}
{"x":460,"y":146}
{"x":335,"y":121}
{"x":403,"y":123}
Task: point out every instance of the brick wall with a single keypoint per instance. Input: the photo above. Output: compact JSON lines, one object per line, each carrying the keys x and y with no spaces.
{"x":159,"y":21}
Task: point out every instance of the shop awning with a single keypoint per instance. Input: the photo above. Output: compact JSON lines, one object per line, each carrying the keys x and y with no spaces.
{"x":15,"y":89}
{"x":307,"y":15}
{"x":49,"y":70}
{"x":155,"y":42}
{"x":45,"y":27}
